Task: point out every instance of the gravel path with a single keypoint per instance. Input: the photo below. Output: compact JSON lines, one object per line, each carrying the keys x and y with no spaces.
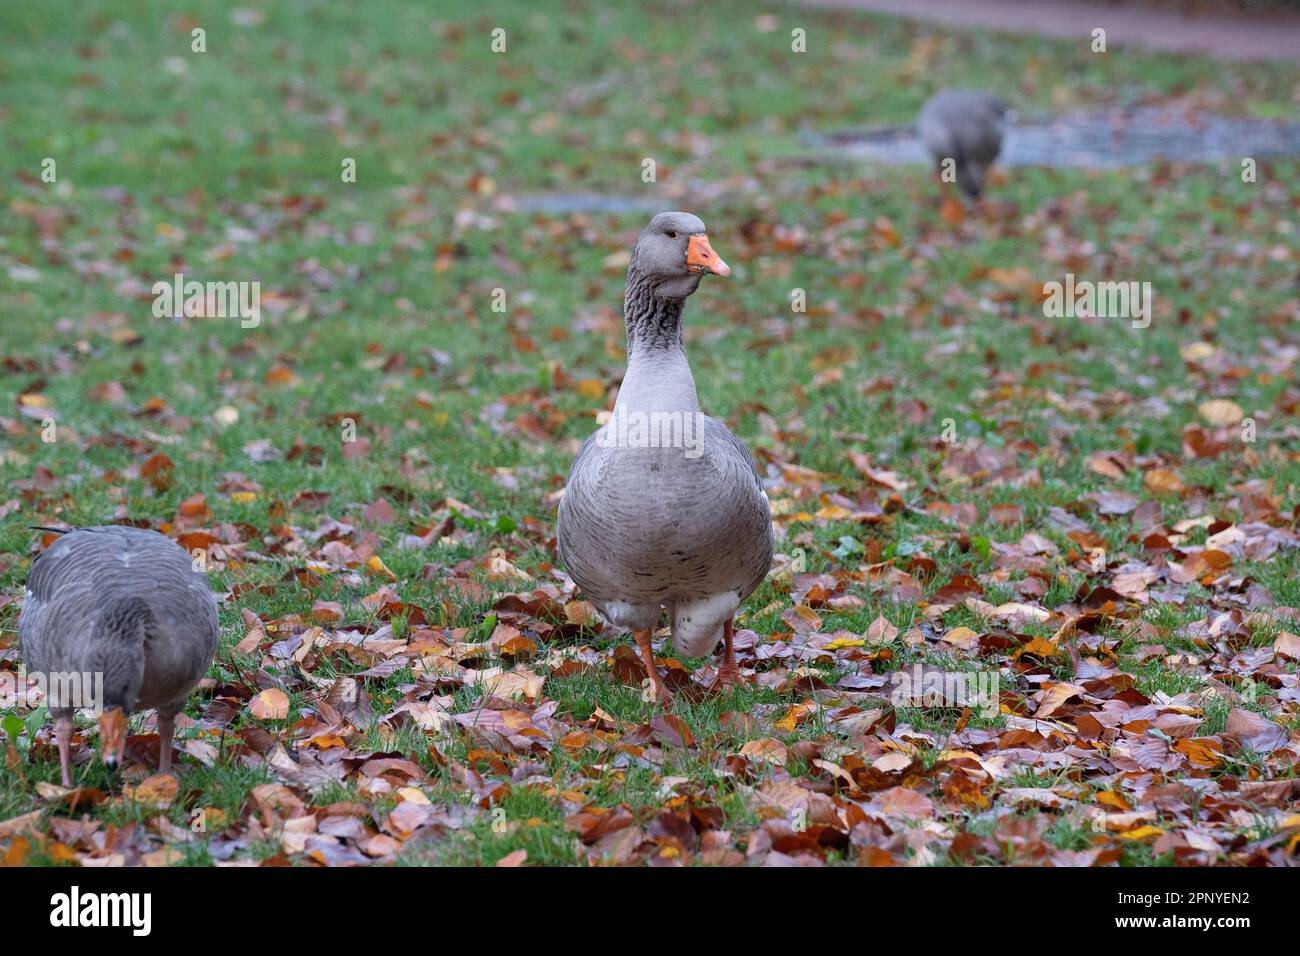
{"x":1099,"y":140}
{"x":1263,"y":36}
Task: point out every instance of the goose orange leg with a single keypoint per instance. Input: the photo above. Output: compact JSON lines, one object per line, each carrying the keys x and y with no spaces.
{"x":728,"y":673}
{"x":662,"y":694}
{"x":63,"y":734}
{"x":166,"y":733}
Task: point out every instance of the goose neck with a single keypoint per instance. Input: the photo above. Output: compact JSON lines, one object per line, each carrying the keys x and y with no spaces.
{"x":653,"y":322}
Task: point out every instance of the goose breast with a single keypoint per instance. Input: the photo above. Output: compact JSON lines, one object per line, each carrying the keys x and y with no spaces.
{"x":649,"y":527}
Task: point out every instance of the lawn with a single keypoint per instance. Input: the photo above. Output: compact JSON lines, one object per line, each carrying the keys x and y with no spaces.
{"x":1102,"y":517}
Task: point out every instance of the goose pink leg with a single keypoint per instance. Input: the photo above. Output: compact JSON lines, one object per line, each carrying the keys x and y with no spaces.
{"x":166,"y":734}
{"x":662,"y":694}
{"x":63,"y":734}
{"x":728,"y":673}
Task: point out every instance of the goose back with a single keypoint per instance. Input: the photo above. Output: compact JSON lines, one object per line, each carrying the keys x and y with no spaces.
{"x":90,"y":581}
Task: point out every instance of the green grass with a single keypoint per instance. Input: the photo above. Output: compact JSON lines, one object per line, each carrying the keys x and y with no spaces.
{"x":377,"y":299}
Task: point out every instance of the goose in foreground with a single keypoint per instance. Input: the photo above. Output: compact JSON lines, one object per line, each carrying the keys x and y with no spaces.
{"x":664,"y":508}
{"x":124,"y":603}
{"x":965,"y":126}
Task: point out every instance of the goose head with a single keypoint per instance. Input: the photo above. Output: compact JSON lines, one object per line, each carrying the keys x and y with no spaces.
{"x":674,"y":254}
{"x":112,"y":736}
{"x":120,"y":696}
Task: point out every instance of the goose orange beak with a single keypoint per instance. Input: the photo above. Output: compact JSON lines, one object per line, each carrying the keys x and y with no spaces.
{"x":700,"y":257}
{"x":112,"y":736}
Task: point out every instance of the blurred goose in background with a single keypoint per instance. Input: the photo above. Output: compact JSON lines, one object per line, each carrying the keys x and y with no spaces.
{"x":965,"y":126}
{"x":125,"y":603}
{"x":678,"y":525}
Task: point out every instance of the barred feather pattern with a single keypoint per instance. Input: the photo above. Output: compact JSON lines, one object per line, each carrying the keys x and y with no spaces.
{"x":124,"y":602}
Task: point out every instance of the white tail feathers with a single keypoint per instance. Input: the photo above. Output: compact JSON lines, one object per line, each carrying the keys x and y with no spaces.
{"x":697,"y":625}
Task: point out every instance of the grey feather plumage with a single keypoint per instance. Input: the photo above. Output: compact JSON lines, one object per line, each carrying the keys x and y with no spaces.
{"x":124,"y":602}
{"x":643,"y":529}
{"x":966,"y":126}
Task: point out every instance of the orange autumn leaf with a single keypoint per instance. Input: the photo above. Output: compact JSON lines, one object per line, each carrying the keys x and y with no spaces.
{"x":1203,"y":752}
{"x":1109,"y":798}
{"x":952,"y":212}
{"x":159,"y":471}
{"x":1162,"y":481}
{"x":270,"y":704}
{"x":795,"y":715}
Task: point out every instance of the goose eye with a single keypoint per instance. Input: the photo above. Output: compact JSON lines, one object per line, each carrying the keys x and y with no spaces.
{"x":671,"y":234}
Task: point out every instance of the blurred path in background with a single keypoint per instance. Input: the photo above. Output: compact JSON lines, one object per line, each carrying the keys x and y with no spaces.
{"x":1267,"y":35}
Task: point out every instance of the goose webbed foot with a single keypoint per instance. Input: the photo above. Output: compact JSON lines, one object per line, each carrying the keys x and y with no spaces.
{"x":728,"y":671}
{"x":728,"y":677}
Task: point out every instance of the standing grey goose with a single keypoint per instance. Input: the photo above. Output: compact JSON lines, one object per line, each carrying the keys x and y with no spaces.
{"x":965,"y":126}
{"x":125,"y":603}
{"x":643,"y":527}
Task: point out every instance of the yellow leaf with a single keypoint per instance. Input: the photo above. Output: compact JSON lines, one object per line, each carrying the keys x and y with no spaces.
{"x":1110,"y":798}
{"x":61,"y":853}
{"x":1141,"y":833}
{"x":840,"y":642}
{"x":1039,"y":647}
{"x":833,"y":513}
{"x":376,"y":566}
{"x":795,"y":716}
